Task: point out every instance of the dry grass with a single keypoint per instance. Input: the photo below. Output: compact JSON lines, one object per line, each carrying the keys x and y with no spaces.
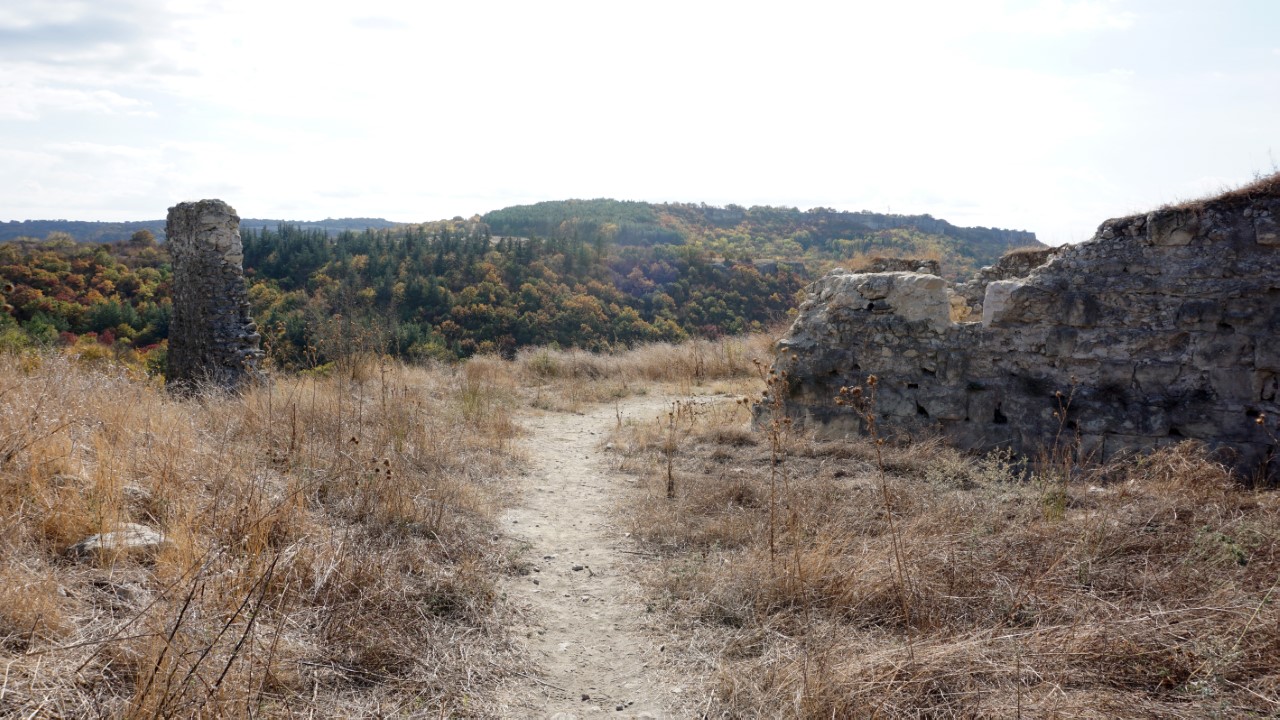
{"x":862,"y":260}
{"x":330,"y":551}
{"x":1144,"y":589}
{"x":567,"y":380}
{"x":1027,"y":250}
{"x":1259,"y":187}
{"x":329,"y":546}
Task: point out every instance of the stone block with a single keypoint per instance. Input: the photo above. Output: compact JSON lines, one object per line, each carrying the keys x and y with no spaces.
{"x":943,"y":403}
{"x":898,"y":402}
{"x":1061,"y":342}
{"x":1223,"y":350}
{"x":1267,"y":386}
{"x":1266,"y":225}
{"x":1235,"y":385}
{"x":1267,"y":355}
{"x":996,"y":305}
{"x":1080,"y":310}
{"x":1121,"y":445}
{"x":1116,"y":376}
{"x":1172,"y":227}
{"x":1155,"y":379}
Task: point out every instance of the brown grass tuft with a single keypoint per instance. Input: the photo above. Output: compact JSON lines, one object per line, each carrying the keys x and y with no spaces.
{"x":1259,"y":187}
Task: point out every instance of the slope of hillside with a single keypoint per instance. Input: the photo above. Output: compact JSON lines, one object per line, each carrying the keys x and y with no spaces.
{"x":762,"y":231}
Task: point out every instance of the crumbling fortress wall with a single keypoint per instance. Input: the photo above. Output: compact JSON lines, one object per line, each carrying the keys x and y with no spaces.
{"x":1163,"y":327}
{"x":1014,"y":265}
{"x":212,"y":338}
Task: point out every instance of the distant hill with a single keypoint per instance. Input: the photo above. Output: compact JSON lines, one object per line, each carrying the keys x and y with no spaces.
{"x":761,"y":231}
{"x":592,"y":274}
{"x":106,"y":232}
{"x":818,"y":237}
{"x":82,"y":231}
{"x":330,"y":226}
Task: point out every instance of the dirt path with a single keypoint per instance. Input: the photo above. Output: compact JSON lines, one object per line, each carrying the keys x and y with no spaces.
{"x":587,"y":622}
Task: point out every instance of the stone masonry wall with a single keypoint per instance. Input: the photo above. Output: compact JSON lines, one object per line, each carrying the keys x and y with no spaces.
{"x":1163,"y":327}
{"x":212,"y":338}
{"x":1017,"y":264}
{"x":894,"y":264}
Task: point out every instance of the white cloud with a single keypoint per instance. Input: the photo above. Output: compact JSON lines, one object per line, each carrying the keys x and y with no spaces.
{"x":20,"y":15}
{"x":420,"y":110}
{"x":25,"y":101}
{"x":84,"y":150}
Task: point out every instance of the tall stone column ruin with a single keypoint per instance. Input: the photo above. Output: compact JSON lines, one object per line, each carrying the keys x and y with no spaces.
{"x":213,"y":341}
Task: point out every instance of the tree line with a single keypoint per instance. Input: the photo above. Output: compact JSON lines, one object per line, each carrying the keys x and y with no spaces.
{"x":441,"y":290}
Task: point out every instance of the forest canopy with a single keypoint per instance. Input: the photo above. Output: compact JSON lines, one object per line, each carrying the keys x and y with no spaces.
{"x":592,"y":274}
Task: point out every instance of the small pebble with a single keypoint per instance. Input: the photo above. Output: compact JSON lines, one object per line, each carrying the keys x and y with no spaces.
{"x":620,"y":708}
{"x":576,"y":568}
{"x":585,"y":697}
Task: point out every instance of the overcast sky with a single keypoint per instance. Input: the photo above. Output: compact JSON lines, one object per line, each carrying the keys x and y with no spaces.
{"x":1046,"y":116}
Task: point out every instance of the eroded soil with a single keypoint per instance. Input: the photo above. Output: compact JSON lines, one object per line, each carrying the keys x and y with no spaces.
{"x":597,"y":651}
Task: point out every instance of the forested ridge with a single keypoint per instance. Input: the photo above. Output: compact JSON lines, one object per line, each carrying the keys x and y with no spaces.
{"x":594,"y":274}
{"x":816,"y":236}
{"x":444,"y":290}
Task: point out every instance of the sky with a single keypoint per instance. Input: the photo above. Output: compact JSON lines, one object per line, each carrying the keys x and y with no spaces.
{"x":1041,"y":115}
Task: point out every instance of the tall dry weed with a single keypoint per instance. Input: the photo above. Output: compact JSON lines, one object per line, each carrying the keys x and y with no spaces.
{"x":327,"y":543}
{"x":913,"y":580}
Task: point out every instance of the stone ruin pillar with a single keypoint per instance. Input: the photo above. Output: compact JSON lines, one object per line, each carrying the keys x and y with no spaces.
{"x":212,"y":338}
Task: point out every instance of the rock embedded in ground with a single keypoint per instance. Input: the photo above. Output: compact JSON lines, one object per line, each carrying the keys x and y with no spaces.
{"x":129,"y":537}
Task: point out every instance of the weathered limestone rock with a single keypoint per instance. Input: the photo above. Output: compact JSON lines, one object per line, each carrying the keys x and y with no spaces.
{"x":129,"y":537}
{"x":996,"y":300}
{"x":1017,"y":264}
{"x":908,"y":295}
{"x":1163,"y":327}
{"x":212,"y":338}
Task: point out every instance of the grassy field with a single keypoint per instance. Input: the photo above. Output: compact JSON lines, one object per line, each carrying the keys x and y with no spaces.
{"x":328,"y":543}
{"x":330,"y":548}
{"x":818,"y":577}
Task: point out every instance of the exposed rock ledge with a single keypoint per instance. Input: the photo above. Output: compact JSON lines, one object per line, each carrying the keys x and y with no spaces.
{"x":1163,"y":327}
